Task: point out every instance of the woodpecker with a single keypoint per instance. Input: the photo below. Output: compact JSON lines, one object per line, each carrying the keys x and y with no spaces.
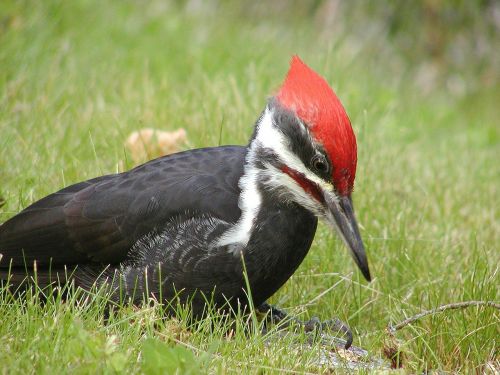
{"x":191,"y":225}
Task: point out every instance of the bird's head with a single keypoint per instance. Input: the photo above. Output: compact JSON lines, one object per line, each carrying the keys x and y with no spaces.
{"x":306,"y":149}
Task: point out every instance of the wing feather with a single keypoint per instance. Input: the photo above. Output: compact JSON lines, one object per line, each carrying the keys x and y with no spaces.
{"x":99,"y":220}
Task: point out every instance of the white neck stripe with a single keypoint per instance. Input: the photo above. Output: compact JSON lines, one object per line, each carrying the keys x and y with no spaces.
{"x":250,"y":200}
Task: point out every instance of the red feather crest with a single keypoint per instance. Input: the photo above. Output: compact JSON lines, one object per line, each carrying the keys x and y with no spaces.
{"x":314,"y":102}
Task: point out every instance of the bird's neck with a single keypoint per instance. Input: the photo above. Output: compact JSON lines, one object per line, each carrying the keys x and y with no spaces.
{"x":261,"y":179}
{"x":249,"y":201}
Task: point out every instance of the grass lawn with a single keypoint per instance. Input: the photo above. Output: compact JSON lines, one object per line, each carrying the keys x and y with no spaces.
{"x":76,"y":77}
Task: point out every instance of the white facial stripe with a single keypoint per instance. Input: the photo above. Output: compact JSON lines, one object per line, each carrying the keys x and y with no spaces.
{"x":250,"y":201}
{"x":270,"y":137}
{"x":277,"y":178}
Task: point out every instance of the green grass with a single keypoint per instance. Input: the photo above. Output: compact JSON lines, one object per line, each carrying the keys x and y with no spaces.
{"x":77,"y":77}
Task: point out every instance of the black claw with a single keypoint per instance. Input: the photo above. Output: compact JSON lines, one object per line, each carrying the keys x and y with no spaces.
{"x":330,"y":325}
{"x":275,"y":315}
{"x":340,"y":326}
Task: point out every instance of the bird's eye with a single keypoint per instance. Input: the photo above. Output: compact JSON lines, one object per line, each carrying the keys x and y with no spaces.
{"x":319,"y":163}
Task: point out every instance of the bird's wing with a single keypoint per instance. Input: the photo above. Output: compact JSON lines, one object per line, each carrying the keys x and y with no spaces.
{"x":99,"y":220}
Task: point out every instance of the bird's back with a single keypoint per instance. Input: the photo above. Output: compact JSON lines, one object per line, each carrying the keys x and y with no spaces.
{"x":98,"y":221}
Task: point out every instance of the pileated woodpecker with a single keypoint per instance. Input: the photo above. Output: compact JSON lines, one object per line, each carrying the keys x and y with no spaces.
{"x":181,"y":226}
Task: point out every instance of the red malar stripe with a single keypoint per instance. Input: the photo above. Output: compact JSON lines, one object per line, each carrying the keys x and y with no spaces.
{"x":308,"y":186}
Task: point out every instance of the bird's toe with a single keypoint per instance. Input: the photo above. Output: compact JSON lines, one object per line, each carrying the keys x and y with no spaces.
{"x":331,"y":325}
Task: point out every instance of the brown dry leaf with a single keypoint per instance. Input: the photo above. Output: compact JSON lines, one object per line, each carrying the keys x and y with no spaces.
{"x":146,"y":144}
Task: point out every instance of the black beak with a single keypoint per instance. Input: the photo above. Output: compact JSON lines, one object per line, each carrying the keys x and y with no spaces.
{"x":341,"y":215}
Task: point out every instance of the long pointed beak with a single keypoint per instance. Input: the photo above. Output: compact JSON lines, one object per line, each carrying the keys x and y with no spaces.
{"x":340,"y":214}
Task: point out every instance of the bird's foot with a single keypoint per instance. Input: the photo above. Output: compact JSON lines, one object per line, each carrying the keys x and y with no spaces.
{"x":277,"y":316}
{"x":273,"y":315}
{"x":331,"y":325}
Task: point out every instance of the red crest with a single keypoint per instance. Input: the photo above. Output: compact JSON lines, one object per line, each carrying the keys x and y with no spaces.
{"x":315,"y":103}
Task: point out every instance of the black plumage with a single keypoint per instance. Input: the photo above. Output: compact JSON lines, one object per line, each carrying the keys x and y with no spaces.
{"x":187,"y":226}
{"x":157,"y":225}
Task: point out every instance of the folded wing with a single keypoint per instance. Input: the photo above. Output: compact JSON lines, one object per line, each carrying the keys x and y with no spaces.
{"x":99,"y":220}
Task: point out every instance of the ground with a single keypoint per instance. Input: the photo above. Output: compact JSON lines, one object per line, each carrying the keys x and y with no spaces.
{"x":76,"y":78}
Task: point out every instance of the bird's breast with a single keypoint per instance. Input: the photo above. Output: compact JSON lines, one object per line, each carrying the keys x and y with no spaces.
{"x":277,"y":247}
{"x":181,"y":257}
